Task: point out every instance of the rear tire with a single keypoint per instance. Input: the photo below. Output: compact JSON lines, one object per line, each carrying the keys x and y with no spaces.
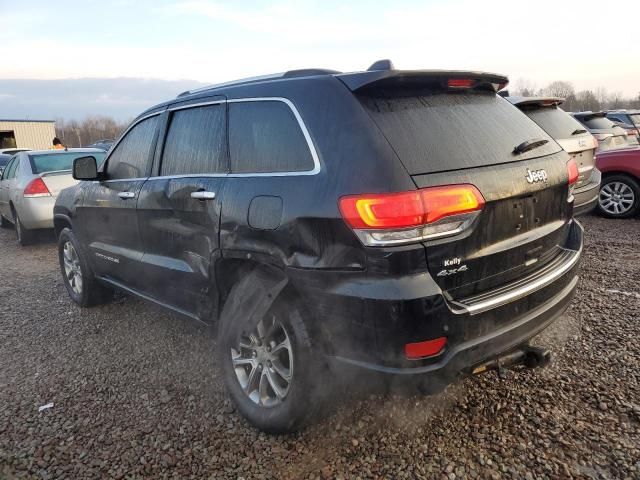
{"x":78,"y":278}
{"x":24,"y":235}
{"x":251,"y":366}
{"x":619,"y":197}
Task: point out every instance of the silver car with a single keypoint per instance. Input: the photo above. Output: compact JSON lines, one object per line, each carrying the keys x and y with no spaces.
{"x":30,"y":184}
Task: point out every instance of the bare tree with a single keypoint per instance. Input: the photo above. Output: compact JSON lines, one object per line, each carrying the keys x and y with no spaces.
{"x":559,"y":88}
{"x":587,"y":100}
{"x":89,"y":130}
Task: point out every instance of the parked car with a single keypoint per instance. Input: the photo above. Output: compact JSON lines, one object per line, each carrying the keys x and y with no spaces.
{"x":620,"y":191}
{"x":632,"y":132}
{"x":411,"y":224}
{"x":30,"y":184}
{"x":102,"y":144}
{"x":573,"y":138}
{"x":11,"y":151}
{"x":609,"y":136}
{"x":629,"y":117}
{"x":4,"y":159}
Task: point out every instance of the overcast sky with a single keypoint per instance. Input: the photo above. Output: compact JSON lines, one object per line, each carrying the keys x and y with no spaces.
{"x":213,"y":41}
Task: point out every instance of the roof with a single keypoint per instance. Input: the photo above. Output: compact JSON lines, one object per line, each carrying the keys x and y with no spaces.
{"x":380,"y":72}
{"x":536,"y":101}
{"x":66,"y":150}
{"x":26,"y":121}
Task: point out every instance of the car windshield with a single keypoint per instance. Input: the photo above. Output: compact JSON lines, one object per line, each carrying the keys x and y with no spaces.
{"x":635,"y":118}
{"x":555,"y":121}
{"x":53,"y":162}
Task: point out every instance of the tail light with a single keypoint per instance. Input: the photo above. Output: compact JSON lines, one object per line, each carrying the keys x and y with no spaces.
{"x":574,"y":173}
{"x":36,"y":188}
{"x":407,"y":217}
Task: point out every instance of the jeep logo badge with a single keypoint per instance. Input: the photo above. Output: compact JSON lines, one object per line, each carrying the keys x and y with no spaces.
{"x":536,"y":176}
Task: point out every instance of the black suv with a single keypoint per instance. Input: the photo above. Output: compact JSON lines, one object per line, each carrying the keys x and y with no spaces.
{"x":408,"y":223}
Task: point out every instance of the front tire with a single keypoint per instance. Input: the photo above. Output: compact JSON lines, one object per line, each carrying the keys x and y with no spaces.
{"x":270,"y":369}
{"x":619,"y":197}
{"x":78,"y":278}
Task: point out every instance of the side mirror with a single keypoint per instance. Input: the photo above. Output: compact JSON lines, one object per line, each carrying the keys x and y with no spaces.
{"x":85,"y":168}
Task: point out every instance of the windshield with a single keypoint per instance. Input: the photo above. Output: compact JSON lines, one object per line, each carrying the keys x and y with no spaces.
{"x":53,"y":162}
{"x":555,"y":122}
{"x":441,"y":132}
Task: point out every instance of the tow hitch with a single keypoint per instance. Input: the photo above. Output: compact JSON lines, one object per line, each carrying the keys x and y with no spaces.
{"x":528,"y":356}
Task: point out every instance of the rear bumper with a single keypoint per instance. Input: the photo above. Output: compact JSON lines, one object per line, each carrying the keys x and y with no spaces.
{"x":370,"y":333}
{"x":586,"y":197}
{"x":36,"y":212}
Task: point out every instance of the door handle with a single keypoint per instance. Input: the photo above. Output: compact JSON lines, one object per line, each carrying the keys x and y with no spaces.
{"x":203,"y":195}
{"x":125,"y":195}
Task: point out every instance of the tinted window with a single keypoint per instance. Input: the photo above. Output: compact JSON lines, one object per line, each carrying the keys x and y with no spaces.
{"x":453,"y":131}
{"x":131,"y":156}
{"x":555,"y":121}
{"x":597,"y":123}
{"x":266,"y":137}
{"x":53,"y":162}
{"x":5,"y":173}
{"x":4,"y":159}
{"x":195,"y":142}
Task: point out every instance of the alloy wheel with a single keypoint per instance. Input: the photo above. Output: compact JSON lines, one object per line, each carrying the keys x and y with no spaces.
{"x":616,"y":198}
{"x":72,"y":268}
{"x":263,"y":362}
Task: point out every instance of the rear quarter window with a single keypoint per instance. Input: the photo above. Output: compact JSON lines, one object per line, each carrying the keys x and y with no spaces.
{"x":440,"y":132}
{"x":265,"y":137}
{"x":554,"y":121}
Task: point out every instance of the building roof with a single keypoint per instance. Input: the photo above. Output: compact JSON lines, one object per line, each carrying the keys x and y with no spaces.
{"x":26,"y":121}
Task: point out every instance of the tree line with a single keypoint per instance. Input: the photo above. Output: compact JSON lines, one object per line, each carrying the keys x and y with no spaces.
{"x":74,"y":133}
{"x":577,"y":101}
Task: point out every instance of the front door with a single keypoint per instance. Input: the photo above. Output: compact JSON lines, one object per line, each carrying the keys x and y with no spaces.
{"x":107,"y":218}
{"x":179,"y":208}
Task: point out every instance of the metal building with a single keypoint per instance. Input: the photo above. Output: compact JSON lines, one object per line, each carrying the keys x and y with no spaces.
{"x":34,"y":134}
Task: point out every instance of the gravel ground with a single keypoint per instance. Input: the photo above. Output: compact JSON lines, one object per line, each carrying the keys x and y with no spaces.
{"x":136,"y":393}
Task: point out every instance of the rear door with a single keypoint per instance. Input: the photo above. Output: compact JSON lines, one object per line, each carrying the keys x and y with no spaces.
{"x":456,"y":138}
{"x":107,"y":219}
{"x":179,"y":207}
{"x":5,"y":184}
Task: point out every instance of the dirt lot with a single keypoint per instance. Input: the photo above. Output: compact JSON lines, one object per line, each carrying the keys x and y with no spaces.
{"x":136,"y":393}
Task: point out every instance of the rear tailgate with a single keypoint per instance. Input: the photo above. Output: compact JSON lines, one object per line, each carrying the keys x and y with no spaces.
{"x":56,"y":181}
{"x":469,"y":137}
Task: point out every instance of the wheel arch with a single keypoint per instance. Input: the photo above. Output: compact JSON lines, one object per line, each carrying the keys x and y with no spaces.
{"x":61,"y":221}
{"x":611,"y":173}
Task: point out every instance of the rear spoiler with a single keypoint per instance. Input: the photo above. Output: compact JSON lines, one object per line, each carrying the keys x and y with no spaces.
{"x":586,"y":116}
{"x":521,"y":102}
{"x":421,"y":79}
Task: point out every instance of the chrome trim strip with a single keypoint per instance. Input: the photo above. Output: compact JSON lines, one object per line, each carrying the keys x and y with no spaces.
{"x":519,"y":292}
{"x":193,"y":105}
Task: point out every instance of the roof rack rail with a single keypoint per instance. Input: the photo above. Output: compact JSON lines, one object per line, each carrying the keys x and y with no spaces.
{"x":240,"y":81}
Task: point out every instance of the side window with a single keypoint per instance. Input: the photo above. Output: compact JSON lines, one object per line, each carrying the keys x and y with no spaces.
{"x":13,"y":167}
{"x":131,"y":156}
{"x":196,"y":142}
{"x":265,"y":137}
{"x":5,"y":174}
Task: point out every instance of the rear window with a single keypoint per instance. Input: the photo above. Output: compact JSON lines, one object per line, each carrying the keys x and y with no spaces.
{"x":555,"y":121}
{"x":635,"y":118}
{"x":455,"y":131}
{"x":4,"y":159}
{"x":598,"y":123}
{"x":265,"y":137}
{"x":54,"y":162}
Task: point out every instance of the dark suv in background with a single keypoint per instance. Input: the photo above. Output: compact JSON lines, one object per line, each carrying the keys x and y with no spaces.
{"x":408,"y":223}
{"x":573,"y":138}
{"x":630,"y":118}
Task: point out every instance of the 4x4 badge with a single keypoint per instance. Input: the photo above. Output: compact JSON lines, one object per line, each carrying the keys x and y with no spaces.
{"x":536,"y":176}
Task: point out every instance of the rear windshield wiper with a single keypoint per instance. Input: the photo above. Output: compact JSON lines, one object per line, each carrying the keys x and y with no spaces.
{"x":579,"y":131}
{"x":530,"y":145}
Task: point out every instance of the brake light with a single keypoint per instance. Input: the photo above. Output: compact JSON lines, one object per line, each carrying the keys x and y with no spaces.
{"x":406,"y":217}
{"x":460,"y":83}
{"x":428,"y":348}
{"x":36,"y":188}
{"x":574,"y":173}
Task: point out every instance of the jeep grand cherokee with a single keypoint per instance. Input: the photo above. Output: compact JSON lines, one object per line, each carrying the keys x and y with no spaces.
{"x":410,"y":223}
